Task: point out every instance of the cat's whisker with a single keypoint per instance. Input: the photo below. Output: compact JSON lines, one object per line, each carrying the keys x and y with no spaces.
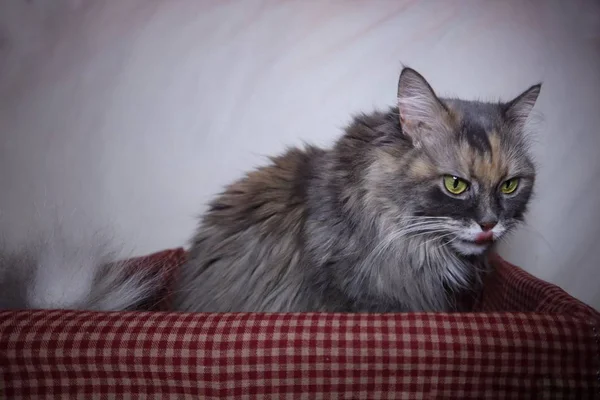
{"x":424,"y":217}
{"x":427,"y":232}
{"x":450,"y":241}
{"x":436,"y":238}
{"x":423,"y":225}
{"x":406,"y":231}
{"x":398,"y":235}
{"x":423,"y":229}
{"x":427,"y":221}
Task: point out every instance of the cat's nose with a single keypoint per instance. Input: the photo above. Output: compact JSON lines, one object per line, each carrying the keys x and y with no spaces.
{"x":487,"y":226}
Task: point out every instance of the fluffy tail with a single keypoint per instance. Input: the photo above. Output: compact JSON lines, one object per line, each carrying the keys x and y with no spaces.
{"x":118,"y":287}
{"x":59,"y":272}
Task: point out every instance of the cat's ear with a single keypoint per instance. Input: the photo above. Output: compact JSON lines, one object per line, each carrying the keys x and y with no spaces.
{"x":422,"y":114}
{"x":518,"y":110}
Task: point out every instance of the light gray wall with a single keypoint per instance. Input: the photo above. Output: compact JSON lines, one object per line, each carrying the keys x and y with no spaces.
{"x":133,"y":113}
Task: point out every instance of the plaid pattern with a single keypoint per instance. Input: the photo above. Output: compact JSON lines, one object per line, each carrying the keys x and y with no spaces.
{"x":510,"y":288}
{"x":545,"y":347}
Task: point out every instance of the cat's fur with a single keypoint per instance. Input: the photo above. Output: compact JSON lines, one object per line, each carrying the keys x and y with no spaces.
{"x":367,"y":225}
{"x":364,"y":226}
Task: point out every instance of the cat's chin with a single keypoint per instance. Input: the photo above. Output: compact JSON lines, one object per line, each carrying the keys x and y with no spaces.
{"x":468,"y":248}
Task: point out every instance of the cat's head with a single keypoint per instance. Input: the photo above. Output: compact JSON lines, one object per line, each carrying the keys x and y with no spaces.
{"x":467,"y":175}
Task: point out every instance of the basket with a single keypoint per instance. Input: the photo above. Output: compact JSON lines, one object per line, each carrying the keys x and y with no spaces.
{"x":525,"y":338}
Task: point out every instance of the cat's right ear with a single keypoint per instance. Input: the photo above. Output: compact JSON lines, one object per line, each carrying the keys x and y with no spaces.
{"x":422,"y":114}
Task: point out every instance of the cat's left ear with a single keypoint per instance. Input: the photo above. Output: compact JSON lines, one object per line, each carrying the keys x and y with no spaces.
{"x":518,"y":110}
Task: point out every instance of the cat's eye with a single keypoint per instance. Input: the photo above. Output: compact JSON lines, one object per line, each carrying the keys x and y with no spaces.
{"x":455,"y":185}
{"x":509,"y":186}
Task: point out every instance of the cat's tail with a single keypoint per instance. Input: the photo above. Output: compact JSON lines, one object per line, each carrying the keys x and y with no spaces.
{"x":61,"y":272}
{"x":119,"y":287}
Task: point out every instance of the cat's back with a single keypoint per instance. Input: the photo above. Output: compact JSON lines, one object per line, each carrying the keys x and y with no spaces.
{"x":248,"y":247}
{"x":271,"y":198}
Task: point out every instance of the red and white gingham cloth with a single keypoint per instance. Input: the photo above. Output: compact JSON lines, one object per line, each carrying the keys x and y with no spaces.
{"x":546,"y":346}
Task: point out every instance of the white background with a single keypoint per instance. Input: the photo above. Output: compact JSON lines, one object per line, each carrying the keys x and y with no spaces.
{"x":132,"y":114}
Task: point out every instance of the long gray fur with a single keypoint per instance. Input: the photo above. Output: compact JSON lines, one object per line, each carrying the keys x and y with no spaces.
{"x":363,"y":226}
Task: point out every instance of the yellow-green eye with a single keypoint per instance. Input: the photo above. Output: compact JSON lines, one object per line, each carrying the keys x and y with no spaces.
{"x":509,"y":186}
{"x":455,"y":185}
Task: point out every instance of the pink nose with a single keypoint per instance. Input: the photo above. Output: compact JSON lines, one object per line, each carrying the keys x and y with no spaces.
{"x":487,"y":226}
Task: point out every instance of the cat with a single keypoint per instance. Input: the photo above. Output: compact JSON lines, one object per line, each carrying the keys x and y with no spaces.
{"x":399,"y":215}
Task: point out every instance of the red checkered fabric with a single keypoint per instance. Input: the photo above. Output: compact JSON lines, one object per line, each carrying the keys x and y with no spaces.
{"x":529,"y":341}
{"x":509,"y":288}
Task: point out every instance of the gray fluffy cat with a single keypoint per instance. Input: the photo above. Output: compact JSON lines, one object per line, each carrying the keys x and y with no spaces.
{"x":398,"y":216}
